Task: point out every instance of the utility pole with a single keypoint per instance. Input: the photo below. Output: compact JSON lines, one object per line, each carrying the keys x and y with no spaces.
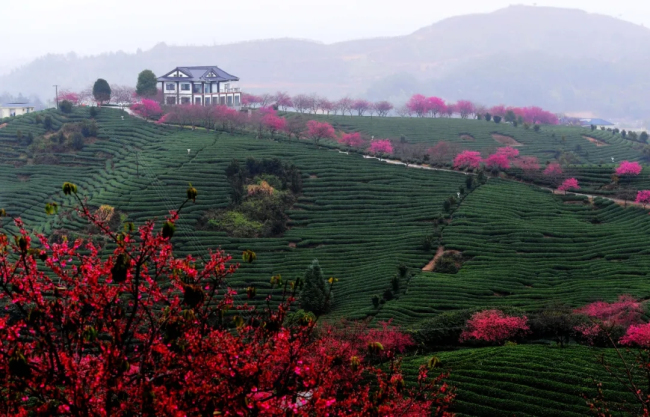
{"x":56,"y":87}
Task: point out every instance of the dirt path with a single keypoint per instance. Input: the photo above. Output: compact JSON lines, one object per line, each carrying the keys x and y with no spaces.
{"x":429,"y":267}
{"x":595,"y":141}
{"x":506,"y":140}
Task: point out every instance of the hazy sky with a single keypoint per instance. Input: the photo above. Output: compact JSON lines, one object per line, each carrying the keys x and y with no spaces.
{"x":35,"y":27}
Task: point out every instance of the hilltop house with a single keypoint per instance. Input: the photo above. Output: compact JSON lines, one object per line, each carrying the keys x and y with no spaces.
{"x":205,"y":85}
{"x":15,"y":109}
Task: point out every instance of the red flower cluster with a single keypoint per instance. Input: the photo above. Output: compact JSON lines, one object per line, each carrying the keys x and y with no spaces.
{"x":140,"y":332}
{"x":494,"y":326}
{"x":628,"y":168}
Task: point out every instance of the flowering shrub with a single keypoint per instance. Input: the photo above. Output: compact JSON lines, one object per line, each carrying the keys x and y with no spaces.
{"x":320,"y":130}
{"x":352,"y":140}
{"x":141,"y":332}
{"x":508,"y":151}
{"x":468,"y":159}
{"x":628,"y":168}
{"x":637,"y":335}
{"x":569,"y":184}
{"x":380,"y":146}
{"x":494,"y":326}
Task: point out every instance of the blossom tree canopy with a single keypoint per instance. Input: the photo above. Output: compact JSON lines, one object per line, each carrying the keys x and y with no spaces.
{"x":69,"y":96}
{"x":637,"y":335}
{"x":627,"y":168}
{"x":468,"y":159}
{"x":643,"y":197}
{"x":352,"y":140}
{"x":133,"y":330}
{"x":418,"y":104}
{"x":320,"y":130}
{"x":508,"y":151}
{"x":380,"y":146}
{"x":494,"y":326}
{"x":569,"y":184}
{"x":465,"y":108}
{"x":436,"y":106}
{"x":147,"y":108}
{"x":553,"y":169}
{"x":383,"y":108}
{"x":497,"y":161}
{"x":527,"y":163}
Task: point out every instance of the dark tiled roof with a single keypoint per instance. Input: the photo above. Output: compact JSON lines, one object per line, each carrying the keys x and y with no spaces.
{"x":200,"y":74}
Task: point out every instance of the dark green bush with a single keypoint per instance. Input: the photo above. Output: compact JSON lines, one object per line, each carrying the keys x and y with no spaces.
{"x":65,"y":106}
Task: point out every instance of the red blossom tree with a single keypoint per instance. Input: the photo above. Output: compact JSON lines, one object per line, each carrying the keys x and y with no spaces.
{"x":643,"y":197}
{"x":627,"y":168}
{"x":381,"y":146}
{"x":499,"y":110}
{"x":69,"y":96}
{"x":250,"y":100}
{"x":497,"y":161}
{"x":508,"y":151}
{"x":325,"y":106}
{"x":352,"y":140}
{"x":147,"y":109}
{"x":607,"y":317}
{"x":637,"y":335}
{"x":138,"y":331}
{"x":283,"y":100}
{"x":468,"y":159}
{"x":494,"y":326}
{"x":451,"y":109}
{"x":320,"y":130}
{"x":569,"y":184}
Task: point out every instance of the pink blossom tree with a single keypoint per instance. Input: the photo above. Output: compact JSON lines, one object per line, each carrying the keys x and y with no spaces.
{"x":283,"y":100}
{"x":497,"y":161}
{"x":627,"y":168}
{"x":468,"y":159}
{"x":442,"y":152}
{"x":494,"y":326}
{"x":637,"y":335}
{"x":352,"y":140}
{"x":553,"y":170}
{"x":274,"y":123}
{"x":360,"y":106}
{"x":526,"y":163}
{"x":465,"y":108}
{"x":301,"y":103}
{"x":70,"y":96}
{"x":499,"y":110}
{"x":381,"y":146}
{"x":606,"y":318}
{"x":147,"y":109}
{"x":325,"y":106}
{"x":250,"y":100}
{"x":451,"y":109}
{"x":569,"y":184}
{"x":418,"y":104}
{"x":320,"y":130}
{"x":345,"y":105}
{"x":643,"y":197}
{"x":508,"y":151}
{"x":383,"y":108}
{"x":436,"y":106}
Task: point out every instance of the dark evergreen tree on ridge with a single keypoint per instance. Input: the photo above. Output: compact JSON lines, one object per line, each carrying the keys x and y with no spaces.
{"x":102,"y":91}
{"x":315,"y":295}
{"x":147,"y":84}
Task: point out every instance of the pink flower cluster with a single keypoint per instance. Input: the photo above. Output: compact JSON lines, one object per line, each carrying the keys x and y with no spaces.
{"x":494,"y":326}
{"x":628,"y":168}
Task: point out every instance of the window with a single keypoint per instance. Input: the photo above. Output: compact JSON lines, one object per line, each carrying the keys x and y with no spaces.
{"x":197,"y":89}
{"x":185,"y":100}
{"x":185,"y":87}
{"x":171,"y":87}
{"x":226,"y":87}
{"x":171,"y":101}
{"x":237,"y":100}
{"x":207,"y":89}
{"x":207,"y":101}
{"x":229,"y":101}
{"x":223,"y":100}
{"x":197,"y":100}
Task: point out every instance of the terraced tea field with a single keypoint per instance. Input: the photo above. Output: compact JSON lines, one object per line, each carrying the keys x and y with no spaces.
{"x":526,"y":247}
{"x":359,"y":218}
{"x":478,"y":135}
{"x":524,"y":380}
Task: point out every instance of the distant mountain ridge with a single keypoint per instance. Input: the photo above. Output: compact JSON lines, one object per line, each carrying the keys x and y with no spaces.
{"x":562,"y":59}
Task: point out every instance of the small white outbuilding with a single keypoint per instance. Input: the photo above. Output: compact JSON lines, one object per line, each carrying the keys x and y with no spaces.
{"x":15,"y":109}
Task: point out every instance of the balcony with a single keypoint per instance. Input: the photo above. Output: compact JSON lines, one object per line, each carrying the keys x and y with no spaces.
{"x":231,"y":90}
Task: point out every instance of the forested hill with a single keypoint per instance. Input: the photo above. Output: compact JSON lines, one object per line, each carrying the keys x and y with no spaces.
{"x":561,"y":59}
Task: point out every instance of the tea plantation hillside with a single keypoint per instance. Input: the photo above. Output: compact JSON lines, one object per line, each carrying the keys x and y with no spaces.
{"x":359,"y":218}
{"x":524,"y":247}
{"x":547,"y":144}
{"x":525,"y":380}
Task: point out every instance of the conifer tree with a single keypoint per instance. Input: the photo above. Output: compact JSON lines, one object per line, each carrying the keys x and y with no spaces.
{"x":315,"y":295}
